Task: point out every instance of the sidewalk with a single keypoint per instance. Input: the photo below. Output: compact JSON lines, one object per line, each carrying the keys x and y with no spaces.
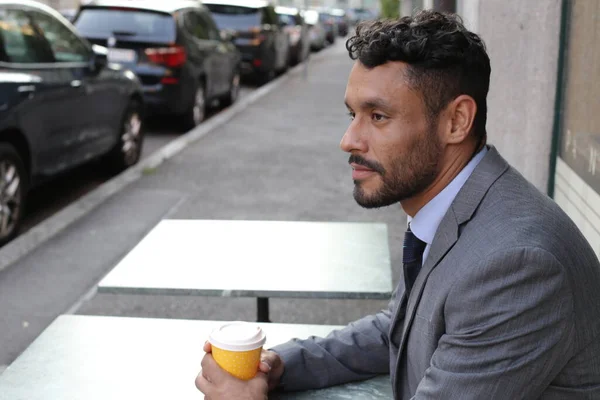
{"x":279,"y":159}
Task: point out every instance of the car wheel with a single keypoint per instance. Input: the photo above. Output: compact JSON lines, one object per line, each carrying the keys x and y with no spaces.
{"x":234,"y":89}
{"x":197,"y":111}
{"x":128,"y":149}
{"x":13,"y":190}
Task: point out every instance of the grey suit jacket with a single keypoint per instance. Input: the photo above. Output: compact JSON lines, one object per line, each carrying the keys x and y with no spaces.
{"x":506,"y":306}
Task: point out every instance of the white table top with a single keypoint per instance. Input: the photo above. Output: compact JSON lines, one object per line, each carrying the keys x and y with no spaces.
{"x":257,"y":259}
{"x":116,"y":358}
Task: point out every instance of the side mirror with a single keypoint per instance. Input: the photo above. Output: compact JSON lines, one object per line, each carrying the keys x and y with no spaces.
{"x":99,"y":57}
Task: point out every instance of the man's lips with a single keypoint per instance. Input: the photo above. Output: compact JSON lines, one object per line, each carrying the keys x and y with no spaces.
{"x":361,"y":172}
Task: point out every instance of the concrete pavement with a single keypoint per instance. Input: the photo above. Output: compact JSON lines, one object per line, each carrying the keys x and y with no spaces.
{"x":278,"y":159}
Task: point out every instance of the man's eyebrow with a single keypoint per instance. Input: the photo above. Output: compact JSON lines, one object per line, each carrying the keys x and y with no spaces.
{"x":371,"y":104}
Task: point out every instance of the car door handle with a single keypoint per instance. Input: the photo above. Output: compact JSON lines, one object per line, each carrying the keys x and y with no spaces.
{"x":76,"y":83}
{"x":26,"y":89}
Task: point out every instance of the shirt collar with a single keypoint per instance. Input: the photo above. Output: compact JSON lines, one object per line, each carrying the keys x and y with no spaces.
{"x":425,"y":223}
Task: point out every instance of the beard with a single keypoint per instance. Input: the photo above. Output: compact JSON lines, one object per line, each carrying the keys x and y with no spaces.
{"x":406,"y":175}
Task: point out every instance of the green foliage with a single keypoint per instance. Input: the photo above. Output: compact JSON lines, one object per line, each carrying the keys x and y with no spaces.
{"x":390,"y":8}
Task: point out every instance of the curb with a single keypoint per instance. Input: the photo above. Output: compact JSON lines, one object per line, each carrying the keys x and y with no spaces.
{"x":29,"y":241}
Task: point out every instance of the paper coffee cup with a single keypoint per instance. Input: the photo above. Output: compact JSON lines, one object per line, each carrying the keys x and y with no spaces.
{"x":236,"y":347}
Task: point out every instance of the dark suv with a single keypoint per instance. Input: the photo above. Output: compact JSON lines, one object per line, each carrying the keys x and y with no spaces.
{"x":173,"y":46}
{"x":61,"y":105}
{"x":259,"y":35}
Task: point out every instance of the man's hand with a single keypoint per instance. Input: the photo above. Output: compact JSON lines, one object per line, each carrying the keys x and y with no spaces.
{"x":272,"y":365}
{"x":218,"y":384}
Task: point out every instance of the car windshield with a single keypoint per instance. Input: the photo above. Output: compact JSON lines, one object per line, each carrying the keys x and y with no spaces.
{"x":235,"y":17}
{"x":138,"y":25}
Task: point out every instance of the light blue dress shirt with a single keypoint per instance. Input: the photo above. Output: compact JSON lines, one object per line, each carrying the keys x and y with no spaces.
{"x":426,"y":222}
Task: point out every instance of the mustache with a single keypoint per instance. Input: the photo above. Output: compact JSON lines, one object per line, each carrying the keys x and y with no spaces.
{"x":374,"y":165}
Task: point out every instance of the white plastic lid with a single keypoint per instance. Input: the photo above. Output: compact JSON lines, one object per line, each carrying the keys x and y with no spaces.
{"x":238,"y":336}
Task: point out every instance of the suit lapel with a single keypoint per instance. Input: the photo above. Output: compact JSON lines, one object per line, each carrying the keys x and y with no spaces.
{"x":491,"y":167}
{"x":445,"y":237}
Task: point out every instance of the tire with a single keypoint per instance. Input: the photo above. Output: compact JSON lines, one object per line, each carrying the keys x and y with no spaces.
{"x":128,"y":149}
{"x":196,"y":113}
{"x":234,"y":89}
{"x":13,"y":192}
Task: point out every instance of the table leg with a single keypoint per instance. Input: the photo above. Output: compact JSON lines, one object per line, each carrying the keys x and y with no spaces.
{"x":262,"y":307}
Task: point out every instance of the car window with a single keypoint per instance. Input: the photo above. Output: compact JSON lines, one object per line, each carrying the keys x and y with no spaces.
{"x":235,"y":17}
{"x":213,"y":31}
{"x":65,"y":45}
{"x":287,"y":19}
{"x":195,"y":25}
{"x":138,"y":25}
{"x":19,"y":39}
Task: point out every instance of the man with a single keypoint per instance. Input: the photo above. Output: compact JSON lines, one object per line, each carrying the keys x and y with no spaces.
{"x":501,"y":292}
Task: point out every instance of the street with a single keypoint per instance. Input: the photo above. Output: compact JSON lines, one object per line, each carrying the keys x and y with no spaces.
{"x":252,"y":167}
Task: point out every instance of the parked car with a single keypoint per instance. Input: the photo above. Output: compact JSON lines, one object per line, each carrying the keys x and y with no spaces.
{"x":259,"y":36}
{"x":331,"y":29}
{"x":341,"y":19}
{"x":173,"y":46}
{"x":297,"y":31}
{"x":61,"y":105}
{"x":316,"y":30}
{"x":357,"y":15}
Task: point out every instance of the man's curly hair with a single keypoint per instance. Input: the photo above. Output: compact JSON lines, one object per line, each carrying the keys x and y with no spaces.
{"x":444,"y":59}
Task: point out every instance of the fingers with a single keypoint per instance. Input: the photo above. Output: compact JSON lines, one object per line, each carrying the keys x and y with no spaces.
{"x":270,"y":359}
{"x":202,"y":384}
{"x":264,"y":367}
{"x":272,"y":365}
{"x":207,"y":347}
{"x":211,"y":370}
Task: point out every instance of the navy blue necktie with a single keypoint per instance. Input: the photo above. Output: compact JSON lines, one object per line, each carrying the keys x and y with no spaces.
{"x":412,"y":258}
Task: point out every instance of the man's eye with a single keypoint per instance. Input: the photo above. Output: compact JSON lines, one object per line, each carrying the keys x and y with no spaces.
{"x":351,"y":115}
{"x":378,"y":117}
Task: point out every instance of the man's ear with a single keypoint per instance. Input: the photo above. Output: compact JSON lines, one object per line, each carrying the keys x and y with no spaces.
{"x":461,"y":115}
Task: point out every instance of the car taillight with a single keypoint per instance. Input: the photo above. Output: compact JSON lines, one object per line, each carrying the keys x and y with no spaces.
{"x":169,"y":80}
{"x":173,"y":56}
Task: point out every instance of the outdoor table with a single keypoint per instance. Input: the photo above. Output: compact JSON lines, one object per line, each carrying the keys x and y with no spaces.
{"x":262,"y":259}
{"x":118,"y":358}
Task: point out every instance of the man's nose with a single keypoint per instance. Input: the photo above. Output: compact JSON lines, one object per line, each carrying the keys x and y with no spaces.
{"x":353,"y":140}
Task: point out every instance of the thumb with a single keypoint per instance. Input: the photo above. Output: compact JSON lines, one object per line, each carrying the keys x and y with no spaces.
{"x":207,"y":347}
{"x":269,"y":361}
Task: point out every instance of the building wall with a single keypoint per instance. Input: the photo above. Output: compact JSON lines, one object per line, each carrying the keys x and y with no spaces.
{"x":577,"y":183}
{"x":469,"y":11}
{"x":523,"y":43}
